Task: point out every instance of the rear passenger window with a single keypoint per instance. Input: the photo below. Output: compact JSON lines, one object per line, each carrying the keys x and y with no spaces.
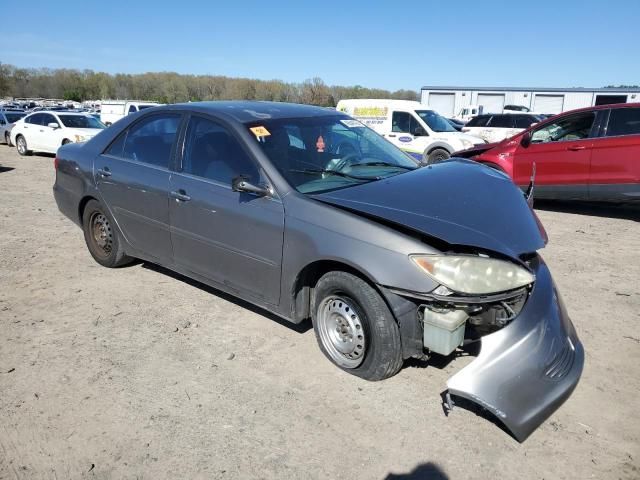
{"x":117,"y":146}
{"x":624,"y":121}
{"x":479,"y":121}
{"x":212,"y":152}
{"x":524,"y":121}
{"x":151,"y":140}
{"x":501,"y":121}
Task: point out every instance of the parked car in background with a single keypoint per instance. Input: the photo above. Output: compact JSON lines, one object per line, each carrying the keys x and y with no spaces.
{"x":46,"y":131}
{"x":113,"y":110}
{"x":388,"y":260}
{"x":422,"y":133}
{"x":516,"y":108}
{"x":498,"y":126}
{"x":587,"y":154}
{"x":7,"y":119}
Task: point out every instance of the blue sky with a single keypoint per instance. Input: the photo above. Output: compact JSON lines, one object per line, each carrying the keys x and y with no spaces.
{"x":402,"y":44}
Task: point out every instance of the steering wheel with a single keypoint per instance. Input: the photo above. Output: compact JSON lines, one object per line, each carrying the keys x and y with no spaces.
{"x":346,"y":161}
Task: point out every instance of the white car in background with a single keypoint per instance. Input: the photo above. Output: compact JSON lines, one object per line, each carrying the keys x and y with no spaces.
{"x":8,"y":118}
{"x":46,"y":131}
{"x":495,"y":127}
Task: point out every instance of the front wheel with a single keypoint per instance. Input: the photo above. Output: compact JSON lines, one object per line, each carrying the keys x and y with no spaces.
{"x":435,"y":156}
{"x":354,"y":327}
{"x":7,"y":139}
{"x":101,"y":236}
{"x":21,"y":145}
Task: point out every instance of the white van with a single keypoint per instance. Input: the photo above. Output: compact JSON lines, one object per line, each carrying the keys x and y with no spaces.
{"x":467,"y":113}
{"x":420,"y":132}
{"x":113,"y":110}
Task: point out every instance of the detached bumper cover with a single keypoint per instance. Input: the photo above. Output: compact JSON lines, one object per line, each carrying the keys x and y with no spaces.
{"x":526,"y":370}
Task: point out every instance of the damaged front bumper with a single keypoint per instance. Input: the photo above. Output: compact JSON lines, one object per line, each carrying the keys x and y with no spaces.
{"x":526,"y":370}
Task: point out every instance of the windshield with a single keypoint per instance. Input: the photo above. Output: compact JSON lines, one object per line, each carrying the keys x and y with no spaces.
{"x":435,"y":121}
{"x":81,"y":121}
{"x":14,"y":117}
{"x":319,"y":154}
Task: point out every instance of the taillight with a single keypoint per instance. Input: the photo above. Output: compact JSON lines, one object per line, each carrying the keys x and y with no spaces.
{"x":56,"y":162}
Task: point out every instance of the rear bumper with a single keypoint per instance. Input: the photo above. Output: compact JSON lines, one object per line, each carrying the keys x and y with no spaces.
{"x":526,"y":370}
{"x":67,"y":203}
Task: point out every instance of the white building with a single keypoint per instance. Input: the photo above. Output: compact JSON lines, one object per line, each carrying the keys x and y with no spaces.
{"x":448,"y":101}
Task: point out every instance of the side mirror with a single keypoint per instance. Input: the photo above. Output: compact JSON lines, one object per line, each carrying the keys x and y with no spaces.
{"x":240,"y":184}
{"x":419,"y":132}
{"x":525,"y":141}
{"x":53,"y":125}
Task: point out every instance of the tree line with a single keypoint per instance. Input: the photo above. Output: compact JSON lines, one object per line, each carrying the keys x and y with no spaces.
{"x":171,"y":87}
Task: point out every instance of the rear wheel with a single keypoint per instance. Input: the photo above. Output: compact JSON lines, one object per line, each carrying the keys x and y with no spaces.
{"x":354,"y":327}
{"x":435,"y":156}
{"x":21,"y":145}
{"x":101,"y":236}
{"x":7,"y":139}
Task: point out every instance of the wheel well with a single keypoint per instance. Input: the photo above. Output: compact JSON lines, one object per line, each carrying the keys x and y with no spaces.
{"x":439,"y":148}
{"x":307,"y":279}
{"x":83,"y":204}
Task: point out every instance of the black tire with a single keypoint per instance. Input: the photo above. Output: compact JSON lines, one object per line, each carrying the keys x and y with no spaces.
{"x":65,"y":141}
{"x":435,"y":156}
{"x":7,"y":138}
{"x":382,"y":355}
{"x":102,"y":237}
{"x":21,"y":146}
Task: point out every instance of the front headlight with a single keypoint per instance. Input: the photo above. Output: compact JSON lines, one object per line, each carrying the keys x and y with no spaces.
{"x":80,"y":138}
{"x":472,"y":274}
{"x":466,"y":143}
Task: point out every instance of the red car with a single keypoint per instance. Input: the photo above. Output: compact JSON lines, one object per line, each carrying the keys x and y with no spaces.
{"x":587,"y":154}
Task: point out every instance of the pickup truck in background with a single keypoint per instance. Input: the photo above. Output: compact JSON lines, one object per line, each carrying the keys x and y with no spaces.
{"x":113,"y":110}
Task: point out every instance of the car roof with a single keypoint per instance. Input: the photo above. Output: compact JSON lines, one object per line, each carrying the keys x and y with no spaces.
{"x":60,"y":112}
{"x":253,"y":111}
{"x":602,"y":107}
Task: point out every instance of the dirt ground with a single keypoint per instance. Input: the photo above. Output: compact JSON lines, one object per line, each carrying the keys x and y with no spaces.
{"x":140,"y":373}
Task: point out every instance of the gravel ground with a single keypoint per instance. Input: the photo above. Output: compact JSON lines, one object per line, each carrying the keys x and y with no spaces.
{"x":140,"y":373}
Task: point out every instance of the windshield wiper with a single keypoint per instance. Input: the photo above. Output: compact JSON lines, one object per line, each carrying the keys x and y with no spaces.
{"x":381,"y":164}
{"x":312,"y":171}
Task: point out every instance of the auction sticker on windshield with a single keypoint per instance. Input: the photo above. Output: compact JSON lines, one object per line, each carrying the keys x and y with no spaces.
{"x":260,"y":131}
{"x":352,"y":123}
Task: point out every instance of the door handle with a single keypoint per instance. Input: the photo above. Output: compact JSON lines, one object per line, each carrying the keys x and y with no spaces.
{"x":180,"y":195}
{"x":576,"y":148}
{"x":392,"y":135}
{"x":105,"y":172}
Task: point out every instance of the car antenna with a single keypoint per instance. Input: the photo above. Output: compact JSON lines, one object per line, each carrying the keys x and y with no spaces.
{"x":529,"y":193}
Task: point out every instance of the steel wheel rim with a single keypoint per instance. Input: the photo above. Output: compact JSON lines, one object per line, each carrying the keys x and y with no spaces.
{"x":101,"y":234}
{"x":341,"y":331}
{"x":22,"y":145}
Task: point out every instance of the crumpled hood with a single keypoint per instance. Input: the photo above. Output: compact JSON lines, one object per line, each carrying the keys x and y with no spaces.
{"x":458,"y":201}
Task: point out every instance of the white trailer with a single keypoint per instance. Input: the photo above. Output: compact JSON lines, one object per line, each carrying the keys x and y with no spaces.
{"x":113,"y":110}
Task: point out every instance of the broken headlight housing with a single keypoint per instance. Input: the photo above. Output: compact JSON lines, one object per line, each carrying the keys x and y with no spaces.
{"x":474,"y":275}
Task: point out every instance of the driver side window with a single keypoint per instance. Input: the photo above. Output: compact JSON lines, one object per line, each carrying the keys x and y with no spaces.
{"x":213,"y":153}
{"x":576,"y":127}
{"x":403,"y":122}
